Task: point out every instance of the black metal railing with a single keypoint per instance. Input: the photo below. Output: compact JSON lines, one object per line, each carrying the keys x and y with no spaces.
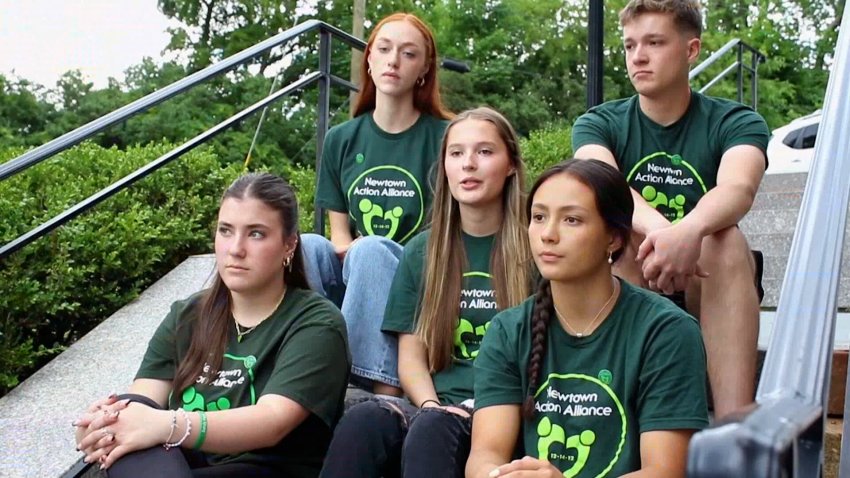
{"x":740,"y":66}
{"x":323,"y":77}
{"x":782,"y":435}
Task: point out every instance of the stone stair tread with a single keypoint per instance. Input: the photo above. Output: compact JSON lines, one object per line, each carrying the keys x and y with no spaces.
{"x":783,"y":182}
{"x":36,"y":438}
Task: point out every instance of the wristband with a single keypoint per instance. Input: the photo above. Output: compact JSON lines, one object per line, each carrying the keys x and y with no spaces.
{"x":202,"y":433}
{"x":432,"y":401}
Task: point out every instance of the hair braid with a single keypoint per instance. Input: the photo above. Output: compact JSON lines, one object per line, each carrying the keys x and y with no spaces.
{"x":540,"y":319}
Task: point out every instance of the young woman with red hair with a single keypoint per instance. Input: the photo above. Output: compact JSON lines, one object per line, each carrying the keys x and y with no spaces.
{"x":374,"y":182}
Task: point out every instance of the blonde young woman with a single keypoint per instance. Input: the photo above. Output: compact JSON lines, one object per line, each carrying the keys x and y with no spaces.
{"x":592,"y":376}
{"x":374,"y":182}
{"x":451,"y":280}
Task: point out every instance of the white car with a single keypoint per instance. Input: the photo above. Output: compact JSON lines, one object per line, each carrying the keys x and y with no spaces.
{"x":792,"y":147}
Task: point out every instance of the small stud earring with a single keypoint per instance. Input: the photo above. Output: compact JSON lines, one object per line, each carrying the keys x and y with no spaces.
{"x":610,"y":258}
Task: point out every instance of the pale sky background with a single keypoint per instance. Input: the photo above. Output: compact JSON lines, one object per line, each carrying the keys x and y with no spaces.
{"x":42,"y":39}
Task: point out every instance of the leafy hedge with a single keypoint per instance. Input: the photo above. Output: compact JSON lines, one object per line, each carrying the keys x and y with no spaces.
{"x":544,"y":148}
{"x":56,"y":289}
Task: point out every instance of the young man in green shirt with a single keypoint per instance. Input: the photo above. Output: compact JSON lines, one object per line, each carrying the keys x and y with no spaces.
{"x":694,"y":164}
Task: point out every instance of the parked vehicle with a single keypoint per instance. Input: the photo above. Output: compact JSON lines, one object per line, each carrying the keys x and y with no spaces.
{"x":792,"y":147}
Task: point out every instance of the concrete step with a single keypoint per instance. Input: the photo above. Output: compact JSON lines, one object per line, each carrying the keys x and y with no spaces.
{"x":771,"y":244}
{"x":772,"y":183}
{"x":36,"y":437}
{"x":769,"y":221}
{"x":772,"y":288}
{"x":777,"y":200}
{"x":775,"y":265}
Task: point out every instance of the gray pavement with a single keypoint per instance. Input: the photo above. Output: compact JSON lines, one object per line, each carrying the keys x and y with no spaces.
{"x":36,"y":437}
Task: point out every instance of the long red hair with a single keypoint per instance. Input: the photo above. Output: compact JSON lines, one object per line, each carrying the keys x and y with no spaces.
{"x":426,"y":98}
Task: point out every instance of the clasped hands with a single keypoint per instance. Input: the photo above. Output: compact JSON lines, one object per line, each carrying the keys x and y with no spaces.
{"x":669,"y":256}
{"x":111,"y":428}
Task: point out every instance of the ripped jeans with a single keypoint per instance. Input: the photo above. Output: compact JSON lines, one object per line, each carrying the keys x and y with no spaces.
{"x":392,"y":438}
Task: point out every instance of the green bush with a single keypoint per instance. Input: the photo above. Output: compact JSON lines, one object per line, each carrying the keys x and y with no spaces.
{"x":56,"y":289}
{"x":546,"y":147}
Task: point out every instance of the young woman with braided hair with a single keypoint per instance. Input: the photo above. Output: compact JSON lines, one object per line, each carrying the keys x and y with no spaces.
{"x":591,"y":377}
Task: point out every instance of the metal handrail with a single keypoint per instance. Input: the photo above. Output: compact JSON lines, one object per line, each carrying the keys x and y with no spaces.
{"x":783,"y":435}
{"x":149,"y":168}
{"x":739,"y":66}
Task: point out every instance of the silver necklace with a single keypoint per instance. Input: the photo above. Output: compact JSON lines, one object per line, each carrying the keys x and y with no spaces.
{"x":583,"y":333}
{"x":241,"y":332}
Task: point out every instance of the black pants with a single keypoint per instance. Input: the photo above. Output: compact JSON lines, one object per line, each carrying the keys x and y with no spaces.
{"x":177,"y":463}
{"x":373,"y":440}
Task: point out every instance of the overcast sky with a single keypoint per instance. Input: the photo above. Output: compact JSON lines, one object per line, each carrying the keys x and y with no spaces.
{"x":41,"y":39}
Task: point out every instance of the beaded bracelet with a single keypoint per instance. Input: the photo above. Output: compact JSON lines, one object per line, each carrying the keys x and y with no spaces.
{"x":173,"y":425}
{"x":430,"y":400}
{"x":179,"y":442}
{"x":202,"y":433}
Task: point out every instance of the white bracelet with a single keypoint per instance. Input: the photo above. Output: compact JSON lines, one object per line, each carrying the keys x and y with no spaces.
{"x":179,"y":442}
{"x":173,"y":425}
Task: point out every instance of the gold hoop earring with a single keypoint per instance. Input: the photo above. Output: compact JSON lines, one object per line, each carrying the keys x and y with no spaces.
{"x":369,"y":70}
{"x":421,"y":81}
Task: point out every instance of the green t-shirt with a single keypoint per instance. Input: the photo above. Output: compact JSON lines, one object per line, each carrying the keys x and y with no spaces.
{"x":380,"y":179}
{"x":673,"y":166}
{"x":643,"y":369}
{"x":300,"y":352}
{"x":454,"y":384}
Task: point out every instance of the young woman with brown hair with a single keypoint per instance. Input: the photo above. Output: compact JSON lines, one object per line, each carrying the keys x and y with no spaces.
{"x":246,"y":378}
{"x":591,"y":376}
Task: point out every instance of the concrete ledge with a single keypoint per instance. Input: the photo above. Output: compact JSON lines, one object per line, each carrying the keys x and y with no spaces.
{"x":36,"y":438}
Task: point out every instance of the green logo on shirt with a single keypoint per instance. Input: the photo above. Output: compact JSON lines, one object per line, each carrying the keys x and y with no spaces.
{"x":666,"y":182}
{"x":551,"y":434}
{"x":386,"y":201}
{"x":372,"y":211}
{"x":477,"y":298}
{"x":234,"y":380}
{"x":581,"y":424}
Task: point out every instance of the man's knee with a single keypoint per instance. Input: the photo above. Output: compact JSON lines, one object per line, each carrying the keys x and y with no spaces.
{"x":726,"y":251}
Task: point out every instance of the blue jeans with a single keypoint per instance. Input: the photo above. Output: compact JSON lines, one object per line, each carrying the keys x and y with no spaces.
{"x":359,"y":286}
{"x":376,"y":440}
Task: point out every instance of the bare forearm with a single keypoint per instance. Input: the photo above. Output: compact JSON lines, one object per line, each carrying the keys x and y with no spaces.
{"x":646,"y":219}
{"x":340,"y":232}
{"x":416,"y":382}
{"x":413,"y":372}
{"x":720,"y":208}
{"x":482,"y":462}
{"x":239,"y":429}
